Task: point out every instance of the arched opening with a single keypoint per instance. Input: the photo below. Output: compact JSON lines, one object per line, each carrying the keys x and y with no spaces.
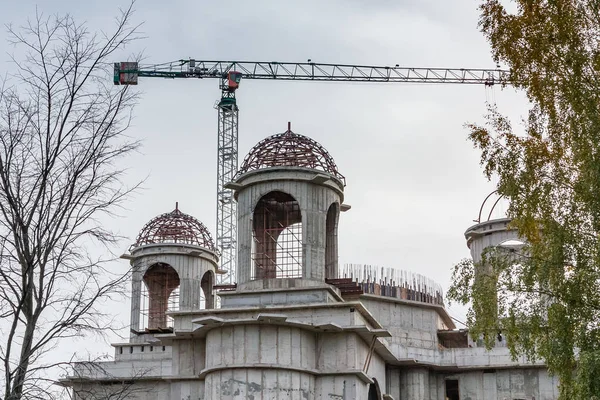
{"x":160,"y":293}
{"x":207,"y":296}
{"x":277,"y":234}
{"x":374,"y":391}
{"x":331,"y":242}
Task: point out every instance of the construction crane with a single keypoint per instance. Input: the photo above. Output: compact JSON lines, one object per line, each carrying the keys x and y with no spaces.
{"x":230,"y":73}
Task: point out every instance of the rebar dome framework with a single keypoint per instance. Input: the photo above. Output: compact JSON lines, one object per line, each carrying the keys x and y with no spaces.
{"x":175,"y":227}
{"x":290,"y":149}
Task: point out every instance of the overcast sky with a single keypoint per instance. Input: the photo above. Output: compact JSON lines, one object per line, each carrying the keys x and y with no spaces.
{"x":413,"y":179}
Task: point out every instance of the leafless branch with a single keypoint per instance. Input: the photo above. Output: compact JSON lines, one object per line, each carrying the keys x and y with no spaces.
{"x":62,"y":143}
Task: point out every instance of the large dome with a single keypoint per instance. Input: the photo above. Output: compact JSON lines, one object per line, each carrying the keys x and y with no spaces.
{"x":290,"y":149}
{"x":175,"y":227}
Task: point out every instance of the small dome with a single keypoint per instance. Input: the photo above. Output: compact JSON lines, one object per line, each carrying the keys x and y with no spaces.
{"x":290,"y":149}
{"x":175,"y":227}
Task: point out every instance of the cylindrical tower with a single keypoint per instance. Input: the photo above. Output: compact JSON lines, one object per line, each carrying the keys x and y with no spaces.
{"x":174,"y":264}
{"x":493,"y":232}
{"x":289,"y":193}
{"x":491,"y":235}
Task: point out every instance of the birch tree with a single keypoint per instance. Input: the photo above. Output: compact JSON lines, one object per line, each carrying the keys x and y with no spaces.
{"x":548,"y":167}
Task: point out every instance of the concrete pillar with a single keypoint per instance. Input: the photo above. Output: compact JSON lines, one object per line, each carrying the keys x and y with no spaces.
{"x":416,"y":384}
{"x":331,"y":241}
{"x":136,"y":296}
{"x":207,"y":284}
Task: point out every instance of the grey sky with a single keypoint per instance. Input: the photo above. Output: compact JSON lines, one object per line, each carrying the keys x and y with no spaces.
{"x":414,"y":182}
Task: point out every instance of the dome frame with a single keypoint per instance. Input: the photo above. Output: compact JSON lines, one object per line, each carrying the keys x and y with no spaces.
{"x":175,"y":227}
{"x":289,"y":149}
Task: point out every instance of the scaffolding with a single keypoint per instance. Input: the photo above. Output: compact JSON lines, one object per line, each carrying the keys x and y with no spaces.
{"x":277,"y":237}
{"x":159,"y":295}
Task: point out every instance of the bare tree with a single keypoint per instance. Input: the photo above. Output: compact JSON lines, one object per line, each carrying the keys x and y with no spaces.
{"x":62,"y":145}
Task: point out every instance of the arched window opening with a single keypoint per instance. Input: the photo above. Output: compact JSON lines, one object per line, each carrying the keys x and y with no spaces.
{"x":331,"y":242}
{"x":160,"y":293}
{"x":277,"y":233}
{"x":206,"y":294}
{"x":374,"y":391}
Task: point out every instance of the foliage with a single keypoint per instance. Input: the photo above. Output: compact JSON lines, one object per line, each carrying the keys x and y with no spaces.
{"x":62,"y":143}
{"x":549,"y":294}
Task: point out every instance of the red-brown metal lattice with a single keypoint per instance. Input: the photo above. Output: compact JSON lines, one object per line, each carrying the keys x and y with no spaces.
{"x":160,"y":293}
{"x":290,"y":149}
{"x":175,"y":227}
{"x":277,"y":231}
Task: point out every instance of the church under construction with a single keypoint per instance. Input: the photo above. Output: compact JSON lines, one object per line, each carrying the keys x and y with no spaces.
{"x":295,"y":325}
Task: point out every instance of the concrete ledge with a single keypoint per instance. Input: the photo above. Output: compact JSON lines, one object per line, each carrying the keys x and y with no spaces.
{"x":288,"y":174}
{"x":438,"y":308}
{"x":357,"y":305}
{"x":181,"y":249}
{"x":253,"y":298}
{"x":257,"y":285}
{"x":358,"y":373}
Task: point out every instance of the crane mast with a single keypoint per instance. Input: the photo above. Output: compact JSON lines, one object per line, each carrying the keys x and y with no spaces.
{"x":227,"y":162}
{"x":229,"y":74}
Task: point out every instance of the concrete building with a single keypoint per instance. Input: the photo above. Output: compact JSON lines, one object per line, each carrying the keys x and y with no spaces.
{"x":295,"y":325}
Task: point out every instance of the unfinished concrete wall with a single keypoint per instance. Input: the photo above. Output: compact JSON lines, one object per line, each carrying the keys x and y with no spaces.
{"x":315,"y":192}
{"x":189,"y":357}
{"x":522,"y":383}
{"x":488,"y":234}
{"x":148,"y":390}
{"x":340,"y":387}
{"x":263,"y":361}
{"x":243,"y":345}
{"x":408,"y":383}
{"x":187,"y":390}
{"x":411,"y":326}
{"x":259,"y":384}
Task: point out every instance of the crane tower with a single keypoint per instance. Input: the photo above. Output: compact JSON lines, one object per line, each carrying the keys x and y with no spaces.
{"x":227,"y":162}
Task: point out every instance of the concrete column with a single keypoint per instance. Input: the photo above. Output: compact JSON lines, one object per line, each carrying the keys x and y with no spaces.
{"x":189,"y":294}
{"x":136,"y":294}
{"x":416,"y":383}
{"x":207,"y":288}
{"x":331,"y":241}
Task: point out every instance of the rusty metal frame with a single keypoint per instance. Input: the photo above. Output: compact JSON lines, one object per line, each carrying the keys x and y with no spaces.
{"x":164,"y":297}
{"x":175,"y":227}
{"x":290,"y":149}
{"x":500,"y":197}
{"x":277,"y":248}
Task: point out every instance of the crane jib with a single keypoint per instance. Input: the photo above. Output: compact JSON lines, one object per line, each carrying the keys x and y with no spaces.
{"x":230,"y":74}
{"x":127,"y":73}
